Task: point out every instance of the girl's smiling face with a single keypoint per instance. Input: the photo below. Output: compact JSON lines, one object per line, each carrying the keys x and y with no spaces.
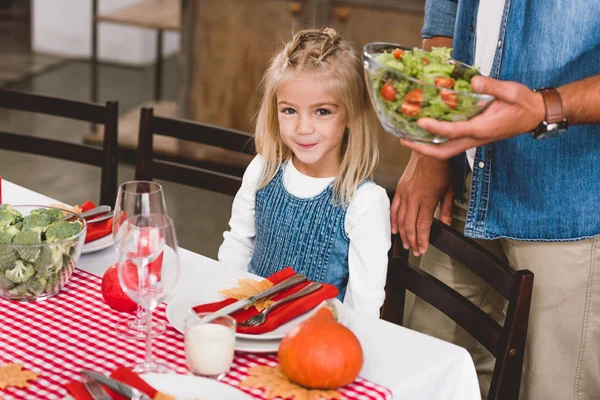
{"x":312,"y":123}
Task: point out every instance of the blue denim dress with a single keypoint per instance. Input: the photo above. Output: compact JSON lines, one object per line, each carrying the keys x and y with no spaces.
{"x":307,"y":234}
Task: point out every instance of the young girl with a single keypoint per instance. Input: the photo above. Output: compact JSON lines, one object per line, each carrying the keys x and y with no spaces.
{"x":306,"y":200}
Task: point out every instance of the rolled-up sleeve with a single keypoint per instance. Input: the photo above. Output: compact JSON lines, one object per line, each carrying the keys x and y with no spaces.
{"x":440,"y":16}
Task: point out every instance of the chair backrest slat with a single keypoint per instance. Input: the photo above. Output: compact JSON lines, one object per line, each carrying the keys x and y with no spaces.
{"x":210,"y":180}
{"x":104,"y":157}
{"x":150,"y":165}
{"x":211,"y":135}
{"x":51,"y":148}
{"x":58,"y":107}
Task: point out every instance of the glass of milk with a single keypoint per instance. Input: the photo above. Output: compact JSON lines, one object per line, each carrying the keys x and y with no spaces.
{"x":209,"y":346}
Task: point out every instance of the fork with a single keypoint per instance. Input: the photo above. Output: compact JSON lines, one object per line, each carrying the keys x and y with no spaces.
{"x":95,"y":390}
{"x":260,"y":318}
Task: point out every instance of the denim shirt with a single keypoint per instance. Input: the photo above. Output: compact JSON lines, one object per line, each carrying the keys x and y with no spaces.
{"x":522,"y":188}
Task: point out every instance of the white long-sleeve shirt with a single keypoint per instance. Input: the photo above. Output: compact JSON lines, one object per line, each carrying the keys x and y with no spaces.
{"x":367,"y":225}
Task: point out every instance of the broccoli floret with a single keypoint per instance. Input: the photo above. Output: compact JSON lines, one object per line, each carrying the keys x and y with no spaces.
{"x":53,"y":214}
{"x":60,"y":230}
{"x":6,"y":220}
{"x":28,"y":238}
{"x":8,"y":216}
{"x":5,"y":237}
{"x":6,"y":283}
{"x":33,"y":286}
{"x":8,"y":258}
{"x":56,"y":259}
{"x":36,"y":222}
{"x":43,"y":264}
{"x":7,"y":208}
{"x":20,"y":272}
{"x":14,"y":229}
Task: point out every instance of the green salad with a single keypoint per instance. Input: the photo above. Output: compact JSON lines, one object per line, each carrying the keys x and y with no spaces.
{"x":439,"y":90}
{"x":34,"y":254}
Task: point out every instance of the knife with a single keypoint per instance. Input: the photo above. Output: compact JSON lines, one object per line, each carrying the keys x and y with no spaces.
{"x":240,"y":304}
{"x":119,"y":387}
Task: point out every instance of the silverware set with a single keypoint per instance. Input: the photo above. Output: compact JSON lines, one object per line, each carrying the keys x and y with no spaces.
{"x":260,"y":318}
{"x":93,"y":380}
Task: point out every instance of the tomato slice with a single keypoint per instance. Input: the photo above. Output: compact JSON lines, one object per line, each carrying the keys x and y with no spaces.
{"x":425,"y":61}
{"x":450,"y":99}
{"x":410,"y":109}
{"x":414,"y":96}
{"x":447,"y":83}
{"x":388,"y":92}
{"x":398,"y":53}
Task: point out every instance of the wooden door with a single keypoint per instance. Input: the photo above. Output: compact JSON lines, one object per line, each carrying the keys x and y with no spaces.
{"x":230,"y":45}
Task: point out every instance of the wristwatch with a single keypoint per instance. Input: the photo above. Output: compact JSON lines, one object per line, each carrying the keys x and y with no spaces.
{"x":555,"y":123}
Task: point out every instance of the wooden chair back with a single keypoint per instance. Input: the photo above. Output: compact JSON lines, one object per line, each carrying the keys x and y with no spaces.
{"x":150,"y":165}
{"x":506,"y":342}
{"x":104,"y":157}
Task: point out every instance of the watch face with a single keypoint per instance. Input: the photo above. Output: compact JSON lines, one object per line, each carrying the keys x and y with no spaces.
{"x":550,"y":134}
{"x":549,"y":131}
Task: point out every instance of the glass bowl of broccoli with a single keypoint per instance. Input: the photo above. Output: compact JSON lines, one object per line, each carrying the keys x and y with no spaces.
{"x":39,"y":248}
{"x":407,"y":84}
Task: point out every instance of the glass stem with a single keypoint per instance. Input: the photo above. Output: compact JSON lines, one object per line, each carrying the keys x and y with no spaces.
{"x":149,"y":336}
{"x":139,"y":322}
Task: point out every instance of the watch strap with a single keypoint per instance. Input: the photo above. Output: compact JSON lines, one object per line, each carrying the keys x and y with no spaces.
{"x":553,"y":104}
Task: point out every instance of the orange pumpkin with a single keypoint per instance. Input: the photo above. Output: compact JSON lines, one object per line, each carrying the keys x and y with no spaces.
{"x":321,"y":353}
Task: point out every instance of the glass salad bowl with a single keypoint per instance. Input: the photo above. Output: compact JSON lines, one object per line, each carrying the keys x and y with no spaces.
{"x":38,"y":250}
{"x":407,"y":84}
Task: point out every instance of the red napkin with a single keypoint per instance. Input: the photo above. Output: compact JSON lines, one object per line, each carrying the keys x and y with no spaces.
{"x":122,"y":374}
{"x":96,"y":230}
{"x":279,"y":315}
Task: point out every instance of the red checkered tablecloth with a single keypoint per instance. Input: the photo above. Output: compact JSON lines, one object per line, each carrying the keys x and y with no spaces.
{"x":75,"y":329}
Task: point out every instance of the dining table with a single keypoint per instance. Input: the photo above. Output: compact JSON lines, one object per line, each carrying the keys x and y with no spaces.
{"x":409,"y":364}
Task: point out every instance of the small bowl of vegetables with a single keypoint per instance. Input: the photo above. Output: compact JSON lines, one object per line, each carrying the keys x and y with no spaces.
{"x":39,"y":248}
{"x":409,"y":83}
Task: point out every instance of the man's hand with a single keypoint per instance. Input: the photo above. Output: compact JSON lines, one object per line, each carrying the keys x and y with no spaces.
{"x":424,"y":183}
{"x":516,"y":110}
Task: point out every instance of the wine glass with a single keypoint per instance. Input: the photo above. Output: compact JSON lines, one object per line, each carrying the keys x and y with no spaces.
{"x":137,"y":198}
{"x":148,"y":270}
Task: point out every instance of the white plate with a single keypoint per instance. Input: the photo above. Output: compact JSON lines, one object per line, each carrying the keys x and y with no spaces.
{"x":179,"y":308}
{"x":99,"y":244}
{"x":188,"y":387}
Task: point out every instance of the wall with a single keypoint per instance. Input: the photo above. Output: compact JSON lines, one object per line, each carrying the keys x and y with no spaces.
{"x":63,"y":27}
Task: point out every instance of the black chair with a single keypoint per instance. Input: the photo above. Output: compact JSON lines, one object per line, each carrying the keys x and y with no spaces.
{"x":104,"y":157}
{"x":151,"y":165}
{"x":507,"y":342}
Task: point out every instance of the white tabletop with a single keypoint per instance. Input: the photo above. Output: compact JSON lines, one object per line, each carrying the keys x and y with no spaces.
{"x":411,"y":364}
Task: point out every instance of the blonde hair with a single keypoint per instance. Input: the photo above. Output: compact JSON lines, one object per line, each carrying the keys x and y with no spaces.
{"x":316,"y":51}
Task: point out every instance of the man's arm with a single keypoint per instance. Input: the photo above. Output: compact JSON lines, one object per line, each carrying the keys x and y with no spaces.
{"x":437,"y":41}
{"x":517,"y":109}
{"x":581,"y":101}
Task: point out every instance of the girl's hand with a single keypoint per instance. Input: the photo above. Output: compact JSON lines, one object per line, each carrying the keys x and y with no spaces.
{"x":517,"y":109}
{"x":424,"y":183}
